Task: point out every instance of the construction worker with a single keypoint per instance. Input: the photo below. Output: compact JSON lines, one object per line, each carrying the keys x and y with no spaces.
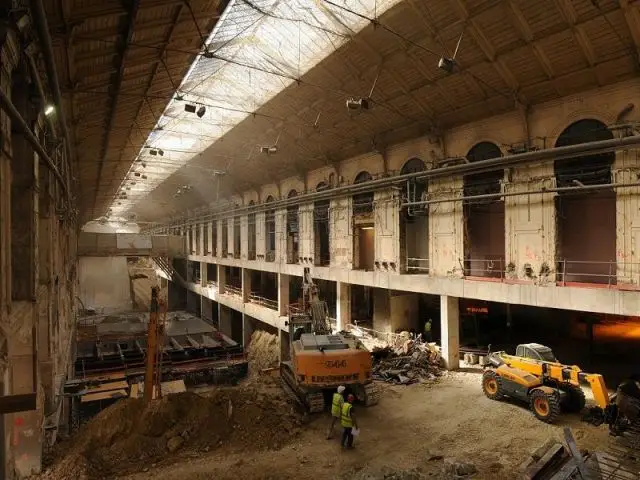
{"x":426,"y":334}
{"x":348,"y":422}
{"x":336,"y":409}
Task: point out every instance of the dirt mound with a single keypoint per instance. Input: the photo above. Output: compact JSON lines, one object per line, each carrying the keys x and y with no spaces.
{"x":129,"y":433}
{"x":264,"y":351}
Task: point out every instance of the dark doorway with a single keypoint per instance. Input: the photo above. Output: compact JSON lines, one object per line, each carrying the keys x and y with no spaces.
{"x":484,"y":219}
{"x":270,"y":237}
{"x":414,"y":222}
{"x":586,"y":221}
{"x":293,"y":233}
{"x":321,"y":229}
{"x":252,"y":234}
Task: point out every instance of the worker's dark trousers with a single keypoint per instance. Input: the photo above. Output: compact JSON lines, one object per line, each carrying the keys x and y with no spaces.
{"x":333,"y":422}
{"x":347,"y":437}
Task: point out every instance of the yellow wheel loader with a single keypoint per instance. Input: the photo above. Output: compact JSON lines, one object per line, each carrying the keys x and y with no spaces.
{"x":535,"y":376}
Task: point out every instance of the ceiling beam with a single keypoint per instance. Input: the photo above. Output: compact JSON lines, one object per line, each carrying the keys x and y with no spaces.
{"x":570,"y":16}
{"x":631,"y":11}
{"x":489,"y":51}
{"x":131,"y":22}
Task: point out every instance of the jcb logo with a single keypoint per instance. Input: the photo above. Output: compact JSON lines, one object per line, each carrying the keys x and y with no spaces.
{"x":335,"y":363}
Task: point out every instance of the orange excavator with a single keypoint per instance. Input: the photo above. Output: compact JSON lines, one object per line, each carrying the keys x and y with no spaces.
{"x":321,"y":361}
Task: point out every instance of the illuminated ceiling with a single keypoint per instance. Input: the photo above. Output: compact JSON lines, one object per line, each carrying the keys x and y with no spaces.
{"x":257,"y":49}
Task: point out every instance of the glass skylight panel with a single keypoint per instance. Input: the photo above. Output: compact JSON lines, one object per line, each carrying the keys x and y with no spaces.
{"x":256,"y":50}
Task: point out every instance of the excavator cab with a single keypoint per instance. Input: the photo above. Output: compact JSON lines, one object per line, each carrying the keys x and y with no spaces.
{"x":535,"y":351}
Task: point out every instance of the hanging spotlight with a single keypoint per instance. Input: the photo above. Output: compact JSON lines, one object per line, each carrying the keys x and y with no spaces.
{"x":49,"y":109}
{"x":144,"y":165}
{"x":189,"y":107}
{"x":144,"y":177}
{"x":153,"y":152}
{"x":136,"y":174}
{"x":201,"y":111}
{"x":161,"y":152}
{"x":446,"y":64}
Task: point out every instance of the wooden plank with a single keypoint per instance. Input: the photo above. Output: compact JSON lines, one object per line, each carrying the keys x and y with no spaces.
{"x":105,"y":387}
{"x":575,"y":453}
{"x":552,"y":455}
{"x":93,"y":397}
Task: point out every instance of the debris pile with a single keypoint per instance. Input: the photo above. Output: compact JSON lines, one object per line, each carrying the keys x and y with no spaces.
{"x":263,"y":352}
{"x":414,"y":361}
{"x":129,"y":433}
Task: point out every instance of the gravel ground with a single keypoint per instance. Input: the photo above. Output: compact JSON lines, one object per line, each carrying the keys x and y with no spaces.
{"x":414,"y":427}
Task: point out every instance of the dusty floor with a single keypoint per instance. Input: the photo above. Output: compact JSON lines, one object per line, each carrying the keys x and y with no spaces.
{"x":412,"y":427}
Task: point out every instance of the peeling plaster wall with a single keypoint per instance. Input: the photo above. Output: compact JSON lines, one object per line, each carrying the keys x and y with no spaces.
{"x":387,"y":230}
{"x":307,"y":244}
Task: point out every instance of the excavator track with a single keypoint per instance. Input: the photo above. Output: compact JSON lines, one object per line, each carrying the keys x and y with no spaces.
{"x":313,"y":402}
{"x":371,"y":394}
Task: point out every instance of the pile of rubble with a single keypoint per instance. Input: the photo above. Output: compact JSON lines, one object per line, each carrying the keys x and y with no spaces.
{"x":263,"y":352}
{"x":414,"y":361}
{"x":131,"y":433}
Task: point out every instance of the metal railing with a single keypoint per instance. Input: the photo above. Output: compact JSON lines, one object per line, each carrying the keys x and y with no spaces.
{"x":232,"y":290}
{"x":488,"y":268}
{"x":595,"y":272}
{"x":417,"y":265}
{"x":256,"y":298}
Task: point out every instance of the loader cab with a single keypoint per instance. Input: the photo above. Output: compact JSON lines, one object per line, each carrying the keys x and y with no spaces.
{"x":535,"y":351}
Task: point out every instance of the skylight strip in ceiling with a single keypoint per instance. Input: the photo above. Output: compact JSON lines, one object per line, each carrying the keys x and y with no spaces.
{"x":256,"y":50}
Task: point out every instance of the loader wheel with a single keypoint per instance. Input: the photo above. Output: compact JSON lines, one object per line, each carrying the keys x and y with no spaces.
{"x":574,"y":402}
{"x":545,"y":406}
{"x":491,"y":385}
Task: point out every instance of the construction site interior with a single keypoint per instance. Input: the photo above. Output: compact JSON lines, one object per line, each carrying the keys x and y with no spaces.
{"x":215,"y":213}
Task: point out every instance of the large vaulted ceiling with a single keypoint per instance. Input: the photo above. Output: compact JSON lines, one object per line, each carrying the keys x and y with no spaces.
{"x":512,"y":52}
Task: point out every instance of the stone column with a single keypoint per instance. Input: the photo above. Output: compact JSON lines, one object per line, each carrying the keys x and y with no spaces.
{"x":222,"y":279}
{"x":343,"y":305}
{"x":450,"y":331}
{"x":194,"y":244}
{"x":210,"y":240}
{"x":202,"y":248}
{"x":203,"y":274}
{"x":247,"y":330}
{"x":246,"y":284}
{"x":283,"y":294}
{"x":224,"y":316}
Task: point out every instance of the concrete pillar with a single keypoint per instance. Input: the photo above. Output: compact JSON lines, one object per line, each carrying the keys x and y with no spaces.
{"x":203,"y":274}
{"x":246,"y":284}
{"x":222,"y":278}
{"x":210,"y":240}
{"x":202,"y":247}
{"x":283,"y":294}
{"x":194,"y":243}
{"x":247,"y":330}
{"x":450,"y":331}
{"x":224,"y":316}
{"x":343,"y":305}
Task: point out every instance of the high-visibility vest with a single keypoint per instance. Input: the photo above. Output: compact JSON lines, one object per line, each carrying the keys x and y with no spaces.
{"x":336,"y":404}
{"x":345,"y":418}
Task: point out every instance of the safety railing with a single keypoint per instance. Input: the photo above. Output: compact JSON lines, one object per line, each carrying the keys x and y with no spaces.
{"x":600,"y":273}
{"x":487,"y":268}
{"x":232,"y":290}
{"x":263,"y":301}
{"x":417,"y":265}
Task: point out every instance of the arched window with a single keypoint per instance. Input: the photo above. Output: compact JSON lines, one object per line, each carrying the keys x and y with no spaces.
{"x":292,"y":193}
{"x":414,"y":189}
{"x":586,"y":170}
{"x":362,"y":203}
{"x":483,"y":183}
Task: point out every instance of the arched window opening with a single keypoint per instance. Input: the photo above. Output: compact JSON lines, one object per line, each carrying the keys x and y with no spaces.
{"x":321,"y":255}
{"x":586,"y":220}
{"x":293,"y":234}
{"x":414,"y":231}
{"x":363,"y":203}
{"x":270,"y":228}
{"x":484,"y":218}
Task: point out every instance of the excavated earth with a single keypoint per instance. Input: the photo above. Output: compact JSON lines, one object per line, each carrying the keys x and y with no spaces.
{"x":129,"y":434}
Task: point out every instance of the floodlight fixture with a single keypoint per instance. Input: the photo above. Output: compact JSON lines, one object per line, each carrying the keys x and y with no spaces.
{"x":49,"y":109}
{"x":201,"y":111}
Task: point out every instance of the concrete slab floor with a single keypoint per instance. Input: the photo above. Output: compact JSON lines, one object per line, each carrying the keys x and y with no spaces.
{"x":178,"y":323}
